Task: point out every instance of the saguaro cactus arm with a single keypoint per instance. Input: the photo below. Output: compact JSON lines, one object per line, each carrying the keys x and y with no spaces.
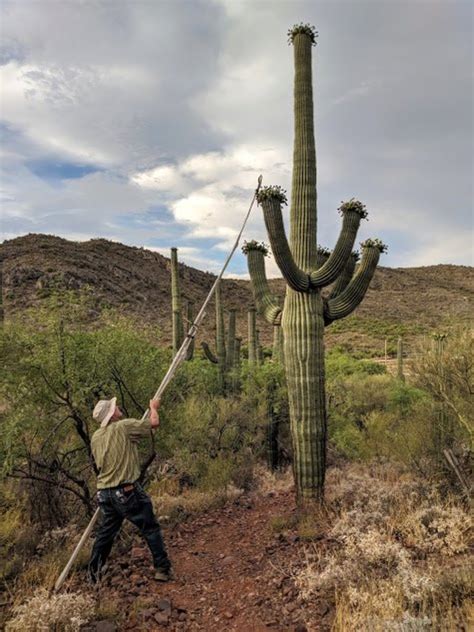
{"x":271,"y":199}
{"x":220,"y":357}
{"x":264,"y":298}
{"x":345,"y":277}
{"x":347,"y":301}
{"x":209,"y":355}
{"x":322,"y":256}
{"x":303,"y":214}
{"x":352,"y":211}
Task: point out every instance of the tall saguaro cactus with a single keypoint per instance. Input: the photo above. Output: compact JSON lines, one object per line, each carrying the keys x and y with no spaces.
{"x":306,"y":311}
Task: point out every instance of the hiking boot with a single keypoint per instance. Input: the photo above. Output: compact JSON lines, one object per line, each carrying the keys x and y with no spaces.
{"x":163,"y":576}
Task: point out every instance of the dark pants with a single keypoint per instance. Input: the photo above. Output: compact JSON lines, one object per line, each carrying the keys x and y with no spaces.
{"x":134,"y":505}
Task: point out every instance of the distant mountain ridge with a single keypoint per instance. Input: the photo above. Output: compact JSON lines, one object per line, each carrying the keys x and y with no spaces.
{"x":136,"y":281}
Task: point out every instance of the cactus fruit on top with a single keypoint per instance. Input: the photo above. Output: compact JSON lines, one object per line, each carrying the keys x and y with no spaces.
{"x":305,"y":311}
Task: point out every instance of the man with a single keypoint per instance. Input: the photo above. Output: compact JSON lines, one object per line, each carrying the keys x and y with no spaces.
{"x":120,"y":495}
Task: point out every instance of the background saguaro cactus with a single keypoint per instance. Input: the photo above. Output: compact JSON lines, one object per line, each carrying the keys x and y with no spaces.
{"x":259,"y":349}
{"x":189,"y":319}
{"x":2,"y":313}
{"x":400,"y":373}
{"x":252,"y":336}
{"x":226,"y":354}
{"x":306,"y":311}
{"x":178,"y":330}
{"x":277,"y":351}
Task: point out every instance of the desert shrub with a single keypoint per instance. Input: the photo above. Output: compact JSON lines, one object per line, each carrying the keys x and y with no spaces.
{"x":351,"y":399}
{"x":438,"y":528}
{"x":384,"y":520}
{"x":63,"y":611}
{"x":264,"y":387}
{"x":339,"y":363}
{"x":378,"y":416}
{"x":17,"y":538}
{"x":444,"y":368}
{"x":212,"y":441}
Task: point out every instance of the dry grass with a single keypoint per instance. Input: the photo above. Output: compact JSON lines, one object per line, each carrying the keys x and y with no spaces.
{"x":45,"y":612}
{"x":396,"y":553}
{"x":171,"y":508}
{"x":272,"y":482}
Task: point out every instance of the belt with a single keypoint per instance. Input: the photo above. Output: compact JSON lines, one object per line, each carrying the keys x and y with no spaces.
{"x":126,"y":487}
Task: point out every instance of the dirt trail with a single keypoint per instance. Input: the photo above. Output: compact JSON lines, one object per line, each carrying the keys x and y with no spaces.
{"x":230,"y":575}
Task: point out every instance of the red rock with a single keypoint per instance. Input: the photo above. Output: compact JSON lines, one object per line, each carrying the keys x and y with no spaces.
{"x":162,"y":618}
{"x":164,"y":605}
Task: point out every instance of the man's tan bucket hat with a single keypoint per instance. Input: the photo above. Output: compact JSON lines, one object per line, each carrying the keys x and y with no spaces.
{"x":103,"y":411}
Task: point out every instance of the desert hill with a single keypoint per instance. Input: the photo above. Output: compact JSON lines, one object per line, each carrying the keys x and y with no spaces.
{"x":136,"y":281}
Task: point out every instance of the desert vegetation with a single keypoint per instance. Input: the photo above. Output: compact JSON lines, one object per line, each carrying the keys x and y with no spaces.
{"x":389,"y":546}
{"x":300,"y":486}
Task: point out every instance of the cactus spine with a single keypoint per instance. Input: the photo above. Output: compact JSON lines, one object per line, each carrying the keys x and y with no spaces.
{"x":305,"y":311}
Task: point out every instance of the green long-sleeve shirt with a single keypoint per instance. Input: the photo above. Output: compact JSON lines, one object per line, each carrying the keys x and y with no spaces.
{"x":115,"y":451}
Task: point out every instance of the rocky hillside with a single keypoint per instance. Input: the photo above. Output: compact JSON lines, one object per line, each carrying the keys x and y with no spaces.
{"x":136,"y":281}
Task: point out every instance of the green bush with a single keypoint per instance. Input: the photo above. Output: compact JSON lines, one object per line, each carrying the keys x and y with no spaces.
{"x":339,"y":363}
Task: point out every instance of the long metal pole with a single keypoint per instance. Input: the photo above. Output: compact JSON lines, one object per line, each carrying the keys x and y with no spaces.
{"x":179,"y":357}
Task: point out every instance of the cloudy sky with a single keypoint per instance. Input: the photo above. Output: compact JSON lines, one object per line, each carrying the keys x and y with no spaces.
{"x":148,"y":122}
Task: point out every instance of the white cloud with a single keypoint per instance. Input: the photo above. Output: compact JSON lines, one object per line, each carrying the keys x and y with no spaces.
{"x":165,"y":178}
{"x":183,"y":107}
{"x":192,"y":256}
